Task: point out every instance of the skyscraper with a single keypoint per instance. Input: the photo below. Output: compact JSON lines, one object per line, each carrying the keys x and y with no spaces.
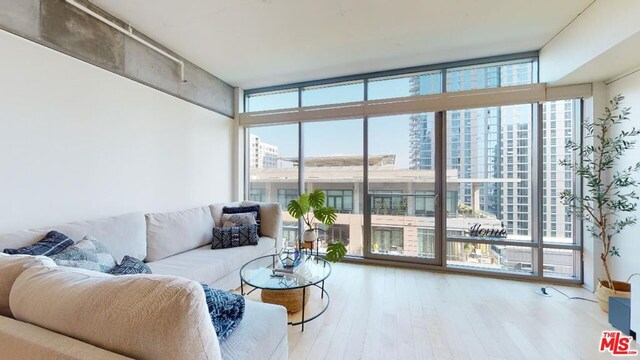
{"x":490,"y":149}
{"x":262,"y":155}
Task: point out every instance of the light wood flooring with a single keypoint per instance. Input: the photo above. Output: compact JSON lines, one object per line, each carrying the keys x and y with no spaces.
{"x":394,"y":313}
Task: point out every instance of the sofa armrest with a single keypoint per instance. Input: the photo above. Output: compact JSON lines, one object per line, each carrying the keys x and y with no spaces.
{"x":270,"y":220}
{"x":26,"y":341}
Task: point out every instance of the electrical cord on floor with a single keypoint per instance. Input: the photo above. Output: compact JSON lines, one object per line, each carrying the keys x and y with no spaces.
{"x":632,"y":275}
{"x":543,"y":292}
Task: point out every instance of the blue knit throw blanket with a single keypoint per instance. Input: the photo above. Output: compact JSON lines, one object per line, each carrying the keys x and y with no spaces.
{"x":226,"y":310}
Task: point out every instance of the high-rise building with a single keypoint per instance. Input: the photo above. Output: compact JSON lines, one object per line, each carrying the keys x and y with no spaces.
{"x":263,"y":155}
{"x":558,"y":127}
{"x":490,"y":149}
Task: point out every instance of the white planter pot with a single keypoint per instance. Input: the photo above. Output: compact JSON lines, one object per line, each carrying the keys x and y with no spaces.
{"x":310,"y":236}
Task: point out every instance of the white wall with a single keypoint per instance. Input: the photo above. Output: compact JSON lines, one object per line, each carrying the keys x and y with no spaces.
{"x":628,"y":241}
{"x":78,"y":142}
{"x":600,"y":43}
{"x":592,"y":248}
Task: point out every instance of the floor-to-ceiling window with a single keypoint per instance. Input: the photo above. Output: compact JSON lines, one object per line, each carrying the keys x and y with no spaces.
{"x":560,"y":121}
{"x":333,"y":163}
{"x":500,"y":169}
{"x":401,"y":185}
{"x":271,"y":164}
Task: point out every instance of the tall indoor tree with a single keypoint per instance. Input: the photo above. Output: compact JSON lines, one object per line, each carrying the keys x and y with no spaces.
{"x":609,"y":200}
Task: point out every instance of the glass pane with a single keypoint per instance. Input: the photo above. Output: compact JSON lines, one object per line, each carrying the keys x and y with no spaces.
{"x":273,"y":152}
{"x":558,"y":119}
{"x":405,"y":85}
{"x":488,"y":165}
{"x":489,"y":76}
{"x":333,"y":94}
{"x":401,"y":192}
{"x":561,"y":263}
{"x":272,"y":100}
{"x":490,"y":257}
{"x":334,"y":164}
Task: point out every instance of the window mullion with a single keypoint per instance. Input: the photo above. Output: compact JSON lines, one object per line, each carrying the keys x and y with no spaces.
{"x":537,"y":188}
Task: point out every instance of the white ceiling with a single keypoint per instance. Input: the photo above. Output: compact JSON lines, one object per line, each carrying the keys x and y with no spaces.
{"x":255,"y":43}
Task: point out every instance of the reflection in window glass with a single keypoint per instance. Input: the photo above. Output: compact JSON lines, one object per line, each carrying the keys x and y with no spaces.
{"x":489,"y":76}
{"x":560,"y":263}
{"x":387,"y":240}
{"x":490,"y":257}
{"x":426,"y":243}
{"x":488,"y":161}
{"x":405,"y":85}
{"x":333,"y":94}
{"x":272,"y":100}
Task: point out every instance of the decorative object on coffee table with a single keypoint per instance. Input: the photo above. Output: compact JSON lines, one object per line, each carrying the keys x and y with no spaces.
{"x":287,"y":288}
{"x":289,"y":256}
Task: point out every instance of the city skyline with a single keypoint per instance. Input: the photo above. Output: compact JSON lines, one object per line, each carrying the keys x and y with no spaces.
{"x":488,"y":179}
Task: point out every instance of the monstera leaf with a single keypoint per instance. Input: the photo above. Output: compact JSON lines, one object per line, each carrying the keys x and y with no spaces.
{"x":336,"y":251}
{"x":312,"y":203}
{"x":316,"y":199}
{"x":299,"y":208}
{"x":326,"y":215}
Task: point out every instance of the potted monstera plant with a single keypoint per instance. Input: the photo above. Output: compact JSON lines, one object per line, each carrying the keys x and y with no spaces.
{"x":311,"y":209}
{"x":609,"y":199}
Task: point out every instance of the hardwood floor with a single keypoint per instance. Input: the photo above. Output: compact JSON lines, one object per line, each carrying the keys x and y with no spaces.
{"x":393,"y":313}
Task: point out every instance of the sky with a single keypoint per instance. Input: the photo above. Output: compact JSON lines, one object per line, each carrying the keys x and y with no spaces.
{"x":388,"y":135}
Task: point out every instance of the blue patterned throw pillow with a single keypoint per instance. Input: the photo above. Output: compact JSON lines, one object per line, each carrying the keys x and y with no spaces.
{"x":228,"y":237}
{"x":244,"y":209}
{"x":226,"y":310}
{"x":130,"y":266}
{"x":53,"y":243}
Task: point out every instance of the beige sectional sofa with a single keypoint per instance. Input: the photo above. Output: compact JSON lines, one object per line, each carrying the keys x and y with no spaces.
{"x":176,"y":246}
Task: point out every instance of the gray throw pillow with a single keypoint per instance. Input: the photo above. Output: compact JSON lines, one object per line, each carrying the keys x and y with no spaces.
{"x":130,"y":266}
{"x":231,"y":220}
{"x":87,"y":253}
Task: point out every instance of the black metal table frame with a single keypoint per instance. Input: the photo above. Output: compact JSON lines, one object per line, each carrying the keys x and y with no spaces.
{"x":303,"y":321}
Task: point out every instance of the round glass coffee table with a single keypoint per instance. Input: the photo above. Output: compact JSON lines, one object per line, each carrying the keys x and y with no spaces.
{"x":261,"y":273}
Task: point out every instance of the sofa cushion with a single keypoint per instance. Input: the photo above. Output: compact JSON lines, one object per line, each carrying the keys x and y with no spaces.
{"x":122,"y":235}
{"x":51,"y":244}
{"x":142,"y":316}
{"x":206,"y":266}
{"x":258,"y":335}
{"x":10,"y":268}
{"x":130,"y":266}
{"x":27,"y":341}
{"x":228,"y":237}
{"x":216,"y":211}
{"x":88,"y":253}
{"x":270,"y":216}
{"x":172,"y":233}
